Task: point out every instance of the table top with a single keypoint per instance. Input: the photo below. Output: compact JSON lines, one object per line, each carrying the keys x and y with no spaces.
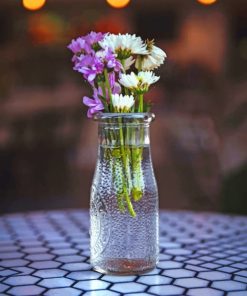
{"x":47,"y":253}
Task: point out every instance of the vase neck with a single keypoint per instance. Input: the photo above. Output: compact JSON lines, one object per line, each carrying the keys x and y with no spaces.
{"x":128,"y":118}
{"x":131,"y":129}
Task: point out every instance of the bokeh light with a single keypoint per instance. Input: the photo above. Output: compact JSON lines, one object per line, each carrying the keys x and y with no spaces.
{"x":45,"y":28}
{"x":206,"y":2}
{"x":33,"y":4}
{"x":118,"y":3}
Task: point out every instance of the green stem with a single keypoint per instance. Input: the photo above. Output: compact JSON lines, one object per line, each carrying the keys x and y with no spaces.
{"x":116,"y":167}
{"x":125,"y":171}
{"x":127,"y":199}
{"x":137,"y":189}
{"x":104,"y":95}
{"x":140,"y":108}
{"x":126,"y":91}
{"x":139,"y":64}
{"x":107,"y":83}
{"x":103,"y":89}
{"x":123,"y":62}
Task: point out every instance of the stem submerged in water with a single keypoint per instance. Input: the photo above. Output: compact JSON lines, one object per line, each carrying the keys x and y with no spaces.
{"x":126,"y":170}
{"x":124,"y":144}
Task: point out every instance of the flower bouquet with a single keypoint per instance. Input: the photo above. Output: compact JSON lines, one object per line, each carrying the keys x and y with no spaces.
{"x":119,"y":69}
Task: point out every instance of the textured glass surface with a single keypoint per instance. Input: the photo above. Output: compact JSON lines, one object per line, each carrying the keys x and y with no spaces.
{"x":122,"y":243}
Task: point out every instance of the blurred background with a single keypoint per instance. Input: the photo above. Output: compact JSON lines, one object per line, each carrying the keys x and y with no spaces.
{"x":199,"y":139}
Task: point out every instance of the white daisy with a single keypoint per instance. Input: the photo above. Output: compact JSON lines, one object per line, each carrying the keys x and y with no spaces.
{"x":129,"y":80}
{"x":148,"y":77}
{"x":124,"y":45}
{"x":138,"y":83}
{"x":153,"y":59}
{"x":122,"y":103}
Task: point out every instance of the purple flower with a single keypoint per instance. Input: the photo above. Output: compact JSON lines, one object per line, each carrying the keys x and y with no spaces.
{"x":111,"y":60}
{"x":95,"y":105}
{"x":94,"y":37}
{"x":115,"y":87}
{"x":84,"y":44}
{"x":82,"y":61}
{"x":79,"y":45}
{"x":90,"y":66}
{"x":91,"y":60}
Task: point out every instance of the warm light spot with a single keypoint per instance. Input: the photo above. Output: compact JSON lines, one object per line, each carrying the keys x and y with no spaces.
{"x":45,"y":28}
{"x":207,"y":2}
{"x":118,"y":3}
{"x":33,"y":4}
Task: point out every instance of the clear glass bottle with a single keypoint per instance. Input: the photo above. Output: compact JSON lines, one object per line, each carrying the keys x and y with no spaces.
{"x":124,"y":198}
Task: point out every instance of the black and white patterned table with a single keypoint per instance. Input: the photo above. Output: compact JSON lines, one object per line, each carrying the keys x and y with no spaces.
{"x":47,"y":253}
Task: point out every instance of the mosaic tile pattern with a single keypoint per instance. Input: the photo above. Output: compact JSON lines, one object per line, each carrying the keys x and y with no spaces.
{"x":47,"y":253}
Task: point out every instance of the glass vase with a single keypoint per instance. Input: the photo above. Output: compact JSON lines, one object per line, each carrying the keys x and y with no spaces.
{"x":124,"y":197}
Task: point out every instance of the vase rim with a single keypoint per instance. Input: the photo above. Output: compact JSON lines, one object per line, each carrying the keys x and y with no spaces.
{"x":143,"y":117}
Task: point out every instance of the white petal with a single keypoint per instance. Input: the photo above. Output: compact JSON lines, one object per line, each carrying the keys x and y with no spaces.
{"x":128,"y":63}
{"x":154,"y":59}
{"x":129,"y":80}
{"x":148,"y":77}
{"x":124,"y":42}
